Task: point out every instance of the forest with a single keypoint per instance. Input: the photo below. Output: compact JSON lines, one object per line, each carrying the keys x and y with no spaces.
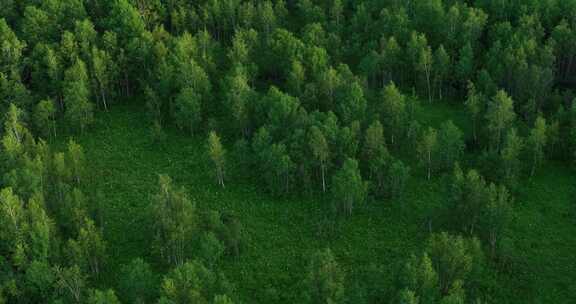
{"x":287,"y":151}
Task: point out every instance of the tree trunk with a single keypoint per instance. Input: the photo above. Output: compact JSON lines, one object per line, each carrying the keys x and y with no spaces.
{"x":534,"y":165}
{"x":127,"y":83}
{"x":323,"y":177}
{"x":103,"y":94}
{"x":440,"y":89}
{"x":429,"y":165}
{"x":474,"y":129}
{"x":54,"y":128}
{"x":493,"y":243}
{"x":428,"y":82}
{"x":221,"y":176}
{"x":498,"y":142}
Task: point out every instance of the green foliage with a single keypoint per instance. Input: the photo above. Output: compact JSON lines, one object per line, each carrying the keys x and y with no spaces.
{"x":419,"y":280}
{"x":44,"y":118}
{"x":320,"y":151}
{"x":76,"y":160}
{"x":40,"y":230}
{"x":473,"y":106}
{"x":39,"y":280}
{"x":352,"y":104}
{"x":137,"y":282}
{"x":72,"y":212}
{"x":537,"y":141}
{"x":325,"y":279}
{"x":499,"y":116}
{"x":439,"y":274}
{"x":397,"y":178}
{"x":496,"y":217}
{"x":218,"y":66}
{"x":175,"y":222}
{"x":211,"y":249}
{"x":510,"y":161}
{"x":191,"y":282}
{"x":222,"y":299}
{"x":157,"y":133}
{"x":408,"y":297}
{"x":465,"y":64}
{"x":260,"y":214}
{"x":13,"y":220}
{"x":238,"y":97}
{"x":105,"y":74}
{"x":442,"y":67}
{"x":456,"y":295}
{"x":450,"y":145}
{"x":71,"y":283}
{"x":11,"y":50}
{"x":296,"y":78}
{"x":89,"y":250}
{"x":218,"y":156}
{"x":428,"y":149}
{"x":480,"y":206}
{"x":79,"y":110}
{"x":376,"y":154}
{"x":454,"y":258}
{"x":393,"y":111}
{"x":103,"y":297}
{"x":348,"y":187}
{"x":188,"y":113}
{"x":15,"y":132}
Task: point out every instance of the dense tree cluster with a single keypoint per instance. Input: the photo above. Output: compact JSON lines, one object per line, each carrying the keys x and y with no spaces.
{"x":310,"y":96}
{"x":52,"y":245}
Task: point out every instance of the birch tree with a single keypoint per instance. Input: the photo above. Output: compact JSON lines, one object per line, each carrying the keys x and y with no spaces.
{"x":427,"y":148}
{"x":218,"y":156}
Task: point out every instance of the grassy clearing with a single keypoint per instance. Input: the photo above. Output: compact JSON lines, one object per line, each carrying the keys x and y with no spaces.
{"x":544,"y":233}
{"x":282,"y":232}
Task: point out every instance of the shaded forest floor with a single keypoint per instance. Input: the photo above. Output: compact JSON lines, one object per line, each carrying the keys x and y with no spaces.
{"x":281,"y":233}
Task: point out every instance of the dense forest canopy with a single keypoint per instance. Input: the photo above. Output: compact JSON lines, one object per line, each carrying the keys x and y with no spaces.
{"x":347,"y":104}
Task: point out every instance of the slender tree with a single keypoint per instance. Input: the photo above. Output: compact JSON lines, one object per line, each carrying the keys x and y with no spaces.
{"x":191,"y":282}
{"x":393,"y":111}
{"x":44,"y":117}
{"x":15,"y":132}
{"x":453,"y":257}
{"x":537,"y":140}
{"x":89,"y":250}
{"x":407,"y":297}
{"x":104,"y":74}
{"x":188,"y":112}
{"x":499,"y":117}
{"x":175,"y":222}
{"x":348,"y":188}
{"x":138,"y":282}
{"x":325,"y":279}
{"x":425,"y":62}
{"x":496,"y":217}
{"x":103,"y":297}
{"x":76,"y":160}
{"x":427,"y":148}
{"x":510,"y":157}
{"x":450,"y":145}
{"x":442,"y":68}
{"x":320,"y":151}
{"x":218,"y":156}
{"x":473,"y":106}
{"x":397,"y":177}
{"x":71,"y":282}
{"x":76,"y":96}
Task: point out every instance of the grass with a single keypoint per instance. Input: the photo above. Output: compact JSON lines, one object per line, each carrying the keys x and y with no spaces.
{"x":544,"y":234}
{"x":281,"y":233}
